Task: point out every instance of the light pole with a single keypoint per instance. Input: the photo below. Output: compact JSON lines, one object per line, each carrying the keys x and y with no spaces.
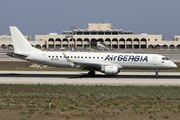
{"x":73,"y":43}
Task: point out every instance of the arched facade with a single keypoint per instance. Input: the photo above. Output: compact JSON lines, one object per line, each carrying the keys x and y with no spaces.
{"x":10,"y":47}
{"x":157,"y":47}
{"x":38,"y":46}
{"x":172,"y":46}
{"x":129,"y":43}
{"x":143,"y":43}
{"x":115,"y":43}
{"x":136,"y":43}
{"x":93,"y":43}
{"x":164,"y":47}
{"x":100,"y":40}
{"x":51,"y":43}
{"x":108,"y":42}
{"x":112,"y":42}
{"x":178,"y":46}
{"x":122,"y":44}
{"x":3,"y":46}
{"x":58,"y":43}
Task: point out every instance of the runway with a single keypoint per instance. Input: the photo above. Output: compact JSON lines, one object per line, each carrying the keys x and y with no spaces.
{"x":123,"y":78}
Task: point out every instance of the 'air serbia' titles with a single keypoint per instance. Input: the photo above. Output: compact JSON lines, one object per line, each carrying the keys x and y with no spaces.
{"x":136,"y":58}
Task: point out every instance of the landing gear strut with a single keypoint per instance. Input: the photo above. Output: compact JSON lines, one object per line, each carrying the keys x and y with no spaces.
{"x":91,"y":73}
{"x":157,"y":72}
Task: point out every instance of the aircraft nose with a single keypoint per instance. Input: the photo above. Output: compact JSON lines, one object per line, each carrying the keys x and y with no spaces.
{"x":173,"y":65}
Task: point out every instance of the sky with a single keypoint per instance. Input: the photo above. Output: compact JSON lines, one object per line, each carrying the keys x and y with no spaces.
{"x":39,"y":17}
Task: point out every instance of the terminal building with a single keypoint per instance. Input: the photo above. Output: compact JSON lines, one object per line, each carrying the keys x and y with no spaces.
{"x":6,"y":41}
{"x":102,"y":32}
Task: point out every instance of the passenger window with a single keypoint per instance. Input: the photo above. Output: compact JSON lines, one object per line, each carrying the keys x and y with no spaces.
{"x":89,"y":57}
{"x":49,"y":56}
{"x":71,"y":56}
{"x":101,"y":57}
{"x":56,"y":56}
{"x":82,"y":57}
{"x":97,"y":57}
{"x":78,"y":56}
{"x":53,"y":56}
{"x":93,"y":57}
{"x":163,"y":59}
{"x":60,"y":56}
{"x":74,"y":56}
{"x":85,"y":57}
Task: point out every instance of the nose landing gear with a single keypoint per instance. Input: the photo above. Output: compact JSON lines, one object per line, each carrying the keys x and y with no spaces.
{"x":157,"y":72}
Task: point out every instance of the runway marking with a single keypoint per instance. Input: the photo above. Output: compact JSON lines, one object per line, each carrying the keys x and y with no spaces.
{"x":124,"y":78}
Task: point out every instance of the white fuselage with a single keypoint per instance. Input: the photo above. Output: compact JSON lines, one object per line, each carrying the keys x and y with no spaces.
{"x":122,"y":60}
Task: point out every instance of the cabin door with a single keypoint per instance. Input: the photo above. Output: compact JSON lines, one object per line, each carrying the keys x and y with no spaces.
{"x":43,"y":57}
{"x":154,"y":60}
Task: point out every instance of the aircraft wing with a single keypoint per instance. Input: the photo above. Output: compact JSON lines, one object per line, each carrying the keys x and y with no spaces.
{"x":87,"y":65}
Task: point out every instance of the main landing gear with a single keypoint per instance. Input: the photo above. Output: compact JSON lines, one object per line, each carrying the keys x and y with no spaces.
{"x":91,"y":73}
{"x":157,"y":72}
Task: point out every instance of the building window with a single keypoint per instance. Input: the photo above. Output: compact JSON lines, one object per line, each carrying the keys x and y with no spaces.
{"x":155,"y":39}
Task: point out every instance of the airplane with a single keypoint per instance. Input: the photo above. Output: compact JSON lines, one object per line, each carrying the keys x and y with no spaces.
{"x":108,"y":63}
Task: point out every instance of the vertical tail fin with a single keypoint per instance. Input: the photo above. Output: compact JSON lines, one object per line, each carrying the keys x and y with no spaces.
{"x":20,"y":42}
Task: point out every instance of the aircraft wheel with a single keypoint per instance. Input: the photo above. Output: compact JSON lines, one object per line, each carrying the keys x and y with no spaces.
{"x":157,"y":73}
{"x":91,"y":73}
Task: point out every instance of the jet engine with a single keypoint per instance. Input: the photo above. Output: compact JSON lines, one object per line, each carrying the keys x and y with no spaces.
{"x":110,"y":70}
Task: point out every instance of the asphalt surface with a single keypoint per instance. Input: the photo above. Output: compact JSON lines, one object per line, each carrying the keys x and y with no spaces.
{"x":124,"y":78}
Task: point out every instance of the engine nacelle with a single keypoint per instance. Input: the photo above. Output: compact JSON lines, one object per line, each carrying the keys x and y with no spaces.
{"x":110,"y":70}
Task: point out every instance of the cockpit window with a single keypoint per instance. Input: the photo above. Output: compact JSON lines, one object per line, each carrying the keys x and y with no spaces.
{"x":165,"y":58}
